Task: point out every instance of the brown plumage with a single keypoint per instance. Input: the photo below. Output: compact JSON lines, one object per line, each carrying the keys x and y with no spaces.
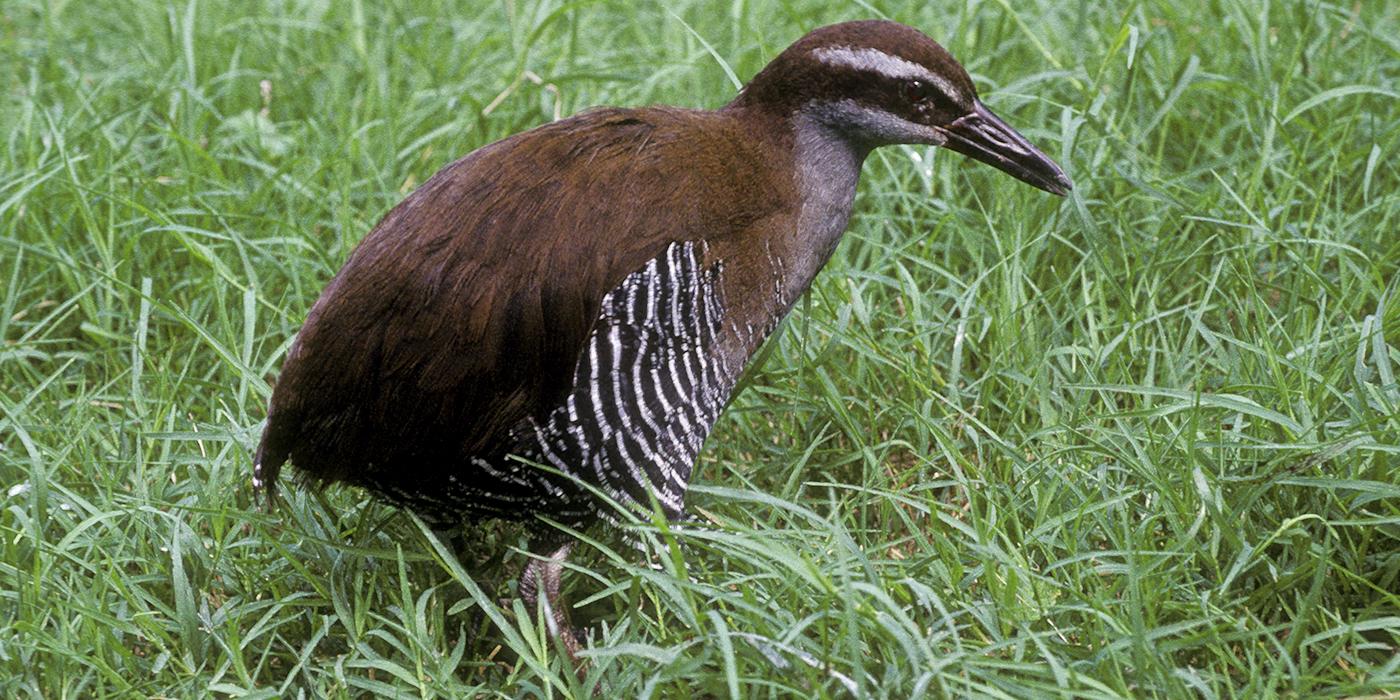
{"x":585,"y":293}
{"x":464,"y":310}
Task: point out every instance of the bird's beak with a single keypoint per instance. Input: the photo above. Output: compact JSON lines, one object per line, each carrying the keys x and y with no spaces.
{"x":983,"y":135}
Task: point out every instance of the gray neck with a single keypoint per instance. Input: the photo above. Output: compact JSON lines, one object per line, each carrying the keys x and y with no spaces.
{"x":828,"y":167}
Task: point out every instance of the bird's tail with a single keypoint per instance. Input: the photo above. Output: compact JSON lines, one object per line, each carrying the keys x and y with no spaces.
{"x":267,"y":465}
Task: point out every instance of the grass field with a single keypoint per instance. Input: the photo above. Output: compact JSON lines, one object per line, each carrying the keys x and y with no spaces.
{"x":1142,"y":441}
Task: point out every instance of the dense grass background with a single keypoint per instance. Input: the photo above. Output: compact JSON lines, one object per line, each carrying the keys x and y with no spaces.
{"x":1141,"y":441}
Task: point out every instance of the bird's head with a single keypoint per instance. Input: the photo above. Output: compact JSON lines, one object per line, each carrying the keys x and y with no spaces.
{"x":876,"y":83}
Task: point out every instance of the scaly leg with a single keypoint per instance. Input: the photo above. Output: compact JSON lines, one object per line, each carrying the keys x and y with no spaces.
{"x":539,"y":582}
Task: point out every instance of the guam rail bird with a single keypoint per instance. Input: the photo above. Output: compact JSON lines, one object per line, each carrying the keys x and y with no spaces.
{"x":585,"y":294}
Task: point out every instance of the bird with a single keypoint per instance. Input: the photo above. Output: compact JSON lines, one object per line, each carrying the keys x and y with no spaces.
{"x":551,"y":325}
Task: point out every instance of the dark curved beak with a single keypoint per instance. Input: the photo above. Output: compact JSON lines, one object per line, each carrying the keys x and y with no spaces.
{"x":982,"y":135}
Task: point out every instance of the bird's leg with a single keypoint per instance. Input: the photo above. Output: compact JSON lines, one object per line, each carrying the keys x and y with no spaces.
{"x":539,"y":584}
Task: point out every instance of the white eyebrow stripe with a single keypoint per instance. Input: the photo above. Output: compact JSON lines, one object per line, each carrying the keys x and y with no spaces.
{"x":877,"y":61}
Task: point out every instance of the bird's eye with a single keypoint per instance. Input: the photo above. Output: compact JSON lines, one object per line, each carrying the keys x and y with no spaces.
{"x":918,"y":91}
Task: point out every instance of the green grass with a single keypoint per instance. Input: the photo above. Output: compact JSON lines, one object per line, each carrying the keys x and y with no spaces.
{"x":1142,"y":441}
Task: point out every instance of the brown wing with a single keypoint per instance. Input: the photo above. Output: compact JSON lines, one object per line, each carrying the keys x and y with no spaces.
{"x":465,"y":309}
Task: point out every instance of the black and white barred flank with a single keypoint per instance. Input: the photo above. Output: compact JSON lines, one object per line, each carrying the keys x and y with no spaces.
{"x":647,"y":389}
